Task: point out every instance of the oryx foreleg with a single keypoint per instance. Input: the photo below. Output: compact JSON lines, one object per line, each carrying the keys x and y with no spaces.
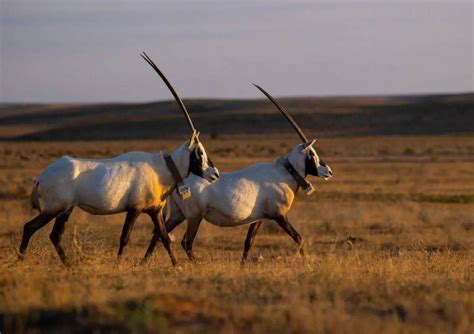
{"x":290,"y":230}
{"x":159,"y":232}
{"x":173,"y":221}
{"x":130,"y":220}
{"x":188,"y":238}
{"x":252,"y":232}
{"x":57,"y":232}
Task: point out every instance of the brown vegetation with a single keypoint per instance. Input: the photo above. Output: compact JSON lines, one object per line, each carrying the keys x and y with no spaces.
{"x":389,"y":243}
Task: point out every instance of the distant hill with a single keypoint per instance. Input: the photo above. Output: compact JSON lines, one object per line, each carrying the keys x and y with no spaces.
{"x":328,"y":116}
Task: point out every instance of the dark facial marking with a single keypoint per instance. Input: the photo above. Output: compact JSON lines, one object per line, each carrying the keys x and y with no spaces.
{"x":195,"y":162}
{"x":310,"y":165}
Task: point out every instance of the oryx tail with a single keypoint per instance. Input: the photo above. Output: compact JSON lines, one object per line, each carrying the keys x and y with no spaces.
{"x":34,"y":198}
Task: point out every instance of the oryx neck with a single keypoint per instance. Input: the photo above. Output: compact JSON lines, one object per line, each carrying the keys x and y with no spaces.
{"x":300,"y":180}
{"x":173,"y":169}
{"x":183,"y":190}
{"x":298,"y":165}
{"x":181,"y":157}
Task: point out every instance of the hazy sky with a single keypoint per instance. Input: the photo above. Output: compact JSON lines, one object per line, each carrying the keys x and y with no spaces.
{"x":79,"y":50}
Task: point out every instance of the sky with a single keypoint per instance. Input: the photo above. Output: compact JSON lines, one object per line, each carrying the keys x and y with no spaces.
{"x":88,"y":51}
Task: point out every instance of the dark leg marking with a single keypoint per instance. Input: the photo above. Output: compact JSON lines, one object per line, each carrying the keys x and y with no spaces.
{"x":57,"y":232}
{"x":176,"y":219}
{"x":130,"y":220}
{"x":188,"y":238}
{"x":286,"y":226}
{"x":252,"y":232}
{"x":31,"y":227}
{"x":159,"y":232}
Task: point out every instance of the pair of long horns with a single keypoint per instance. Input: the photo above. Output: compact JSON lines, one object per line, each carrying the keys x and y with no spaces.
{"x":173,"y":91}
{"x":185,"y":111}
{"x":285,"y":113}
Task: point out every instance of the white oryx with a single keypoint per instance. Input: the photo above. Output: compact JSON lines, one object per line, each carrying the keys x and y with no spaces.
{"x":133,"y":182}
{"x":248,"y":196}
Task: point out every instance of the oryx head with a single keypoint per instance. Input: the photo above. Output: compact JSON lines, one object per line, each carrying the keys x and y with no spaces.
{"x":313,"y":165}
{"x":199,"y":162}
{"x":303,"y":155}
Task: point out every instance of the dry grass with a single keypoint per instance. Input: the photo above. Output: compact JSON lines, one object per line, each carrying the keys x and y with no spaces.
{"x":389,"y":248}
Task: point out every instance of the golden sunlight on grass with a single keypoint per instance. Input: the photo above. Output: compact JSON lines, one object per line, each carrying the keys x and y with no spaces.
{"x":389,"y":248}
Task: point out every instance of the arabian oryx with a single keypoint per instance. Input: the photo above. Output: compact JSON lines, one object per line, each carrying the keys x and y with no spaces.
{"x":133,"y":182}
{"x":248,"y":196}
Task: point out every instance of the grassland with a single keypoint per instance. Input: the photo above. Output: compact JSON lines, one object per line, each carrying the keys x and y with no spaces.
{"x":389,"y":240}
{"x":389,"y":245}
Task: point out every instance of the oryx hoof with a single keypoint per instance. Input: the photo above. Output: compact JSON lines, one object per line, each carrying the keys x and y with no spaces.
{"x":20,"y":256}
{"x":67,"y":264}
{"x":257,"y":258}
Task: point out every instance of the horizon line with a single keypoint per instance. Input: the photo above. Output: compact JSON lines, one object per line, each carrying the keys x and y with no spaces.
{"x":326,"y":96}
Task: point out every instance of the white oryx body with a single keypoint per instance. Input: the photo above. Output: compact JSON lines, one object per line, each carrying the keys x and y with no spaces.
{"x":239,"y":198}
{"x":248,"y":196}
{"x":260,"y":191}
{"x":136,"y":180}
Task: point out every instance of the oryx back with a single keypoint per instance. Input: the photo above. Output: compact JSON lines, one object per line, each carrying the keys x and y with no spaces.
{"x":238,"y":198}
{"x":102,"y":186}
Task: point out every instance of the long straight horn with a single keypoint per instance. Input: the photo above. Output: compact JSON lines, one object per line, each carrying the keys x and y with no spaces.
{"x":285,"y":113}
{"x":170,"y":87}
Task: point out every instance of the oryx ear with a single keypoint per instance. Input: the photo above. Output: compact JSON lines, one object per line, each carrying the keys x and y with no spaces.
{"x":194,"y":139}
{"x":307,"y":145}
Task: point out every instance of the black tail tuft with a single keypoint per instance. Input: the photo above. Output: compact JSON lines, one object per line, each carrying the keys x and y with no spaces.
{"x":34,"y":198}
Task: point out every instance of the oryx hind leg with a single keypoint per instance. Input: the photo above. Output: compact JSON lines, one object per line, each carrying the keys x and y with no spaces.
{"x":159,"y":232}
{"x":190,"y":235}
{"x":57,"y":232}
{"x":252,"y":232}
{"x":130,"y":220}
{"x":31,"y":227}
{"x":290,"y":230}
